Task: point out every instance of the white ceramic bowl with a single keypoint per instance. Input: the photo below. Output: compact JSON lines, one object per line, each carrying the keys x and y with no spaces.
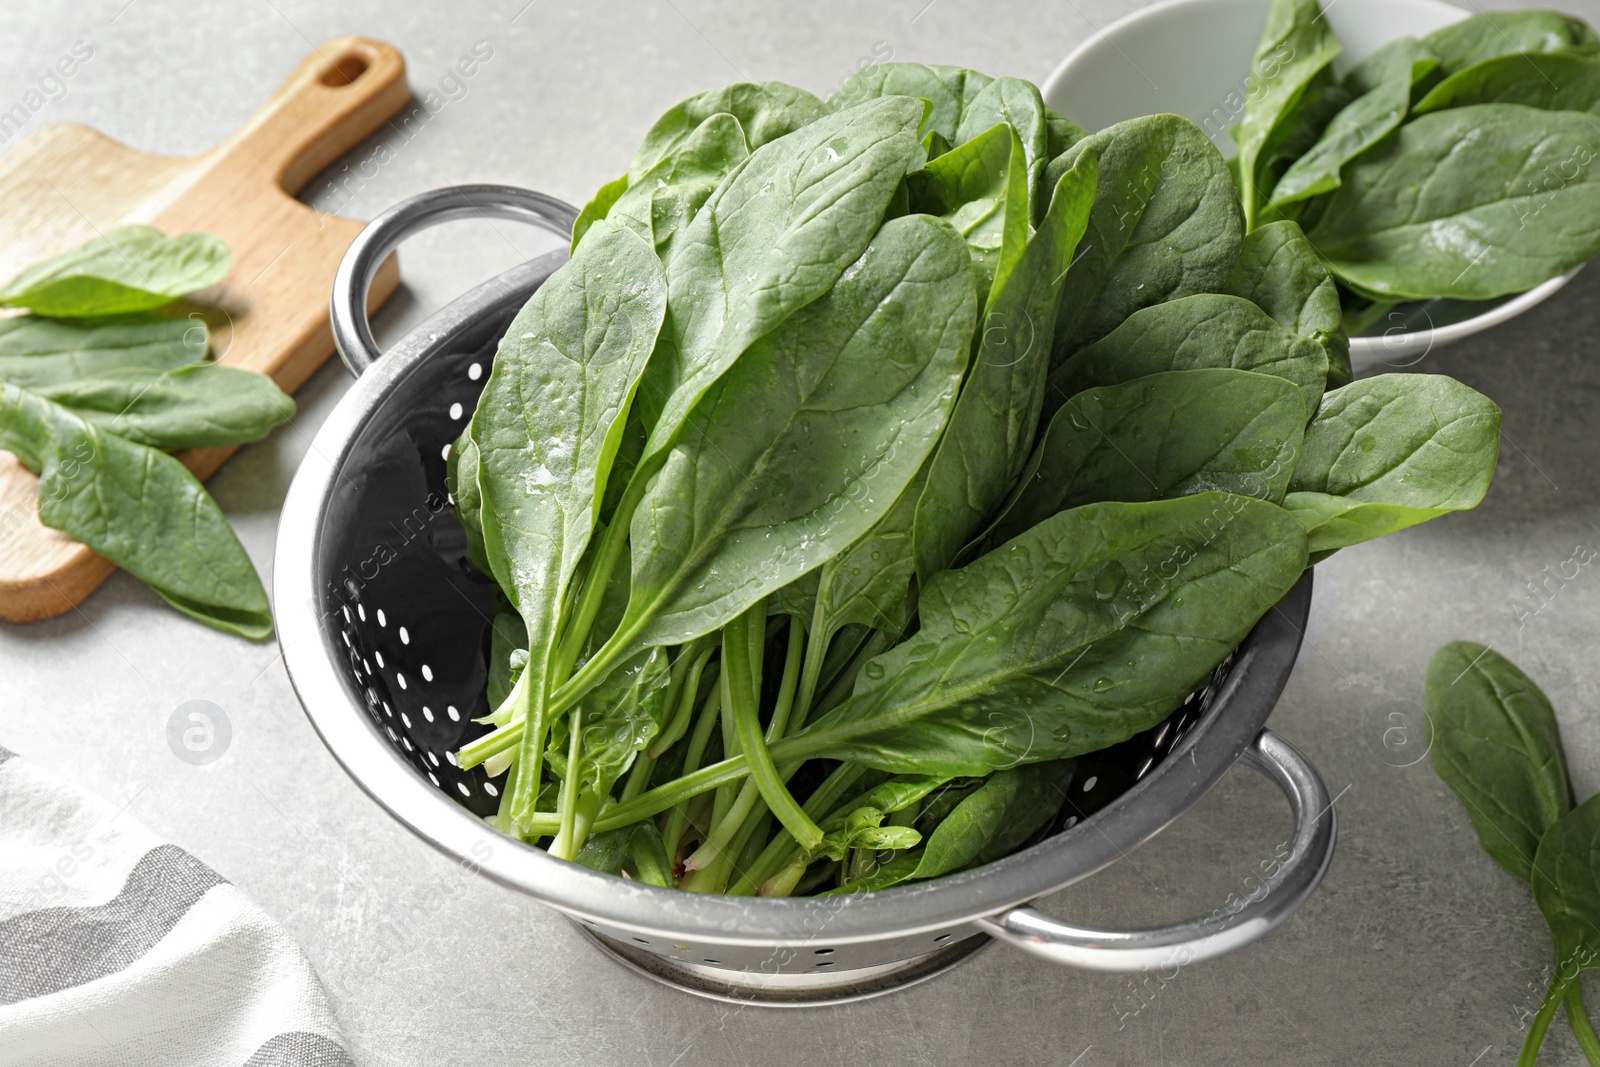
{"x":1191,"y":58}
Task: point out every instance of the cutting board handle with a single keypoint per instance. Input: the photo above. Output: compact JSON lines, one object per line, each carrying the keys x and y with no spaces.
{"x":338,"y":95}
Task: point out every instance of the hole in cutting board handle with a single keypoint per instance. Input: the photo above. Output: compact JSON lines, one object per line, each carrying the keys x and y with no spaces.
{"x":345,"y":70}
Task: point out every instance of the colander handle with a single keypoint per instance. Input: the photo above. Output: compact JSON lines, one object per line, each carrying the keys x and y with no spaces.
{"x":1242,"y":920}
{"x":347,"y":310}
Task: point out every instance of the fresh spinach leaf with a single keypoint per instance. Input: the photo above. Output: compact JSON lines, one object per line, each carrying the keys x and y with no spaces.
{"x":1471,"y":203}
{"x":766,"y":111}
{"x":598,"y":207}
{"x":969,"y":187}
{"x":1165,"y":224}
{"x":197,"y":406}
{"x":992,"y":428}
{"x":1001,"y":815}
{"x":804,"y":443}
{"x":1497,"y":745}
{"x":547,"y":426}
{"x":949,"y":91}
{"x":1389,"y":452}
{"x":36,"y":351}
{"x":1015,"y":103}
{"x":507,"y":635}
{"x":1160,"y":436}
{"x":1486,"y":35}
{"x":1067,"y":638}
{"x":1556,"y":81}
{"x":461,"y":482}
{"x":1566,"y":887}
{"x":1209,"y":330}
{"x":1280,"y":272}
{"x":130,"y":268}
{"x":139,"y":508}
{"x":1296,"y":46}
{"x":1361,"y":124}
{"x":669,"y":194}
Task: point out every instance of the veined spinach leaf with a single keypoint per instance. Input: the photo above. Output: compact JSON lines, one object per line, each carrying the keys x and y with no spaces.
{"x":665,"y":199}
{"x":774,"y":237}
{"x":598,"y":207}
{"x":1389,"y":452}
{"x":1016,"y":103}
{"x":766,"y":111}
{"x":1165,"y":224}
{"x":1280,"y":272}
{"x":1361,"y":124}
{"x":130,"y":268}
{"x":1066,"y":639}
{"x":970,"y":187}
{"x":1209,"y":330}
{"x":1160,"y":436}
{"x":197,"y":406}
{"x":546,"y":428}
{"x":139,"y":508}
{"x":1296,"y":46}
{"x":992,"y":428}
{"x":949,"y":91}
{"x":1566,"y":887}
{"x":461,"y":482}
{"x":803,"y":444}
{"x":1508,"y":202}
{"x":1497,"y":745}
{"x":1486,"y":35}
{"x":997,"y":818}
{"x":1555,"y":81}
{"x":36,"y":351}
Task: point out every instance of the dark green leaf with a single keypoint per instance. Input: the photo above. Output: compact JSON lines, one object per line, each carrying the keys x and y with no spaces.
{"x":766,"y":111}
{"x":948,"y":90}
{"x":1389,"y":452}
{"x":506,"y":636}
{"x":139,"y":508}
{"x":1162,"y":436}
{"x":1165,"y":224}
{"x":1566,"y":886}
{"x":662,"y":202}
{"x":1497,"y":745}
{"x":197,"y":406}
{"x":1280,"y":272}
{"x":1296,"y":46}
{"x":461,"y":482}
{"x":1010,"y":807}
{"x":992,"y":428}
{"x":130,"y":268}
{"x":1472,"y":203}
{"x":1210,"y":330}
{"x":967,"y":187}
{"x":806,"y":441}
{"x":1016,"y":103}
{"x":37,"y":351}
{"x":1486,"y":35}
{"x":1361,"y":124}
{"x":1558,"y":81}
{"x":1077,"y":634}
{"x":597,"y":208}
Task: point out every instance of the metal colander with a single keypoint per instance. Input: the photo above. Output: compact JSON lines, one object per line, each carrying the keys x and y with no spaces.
{"x":384,"y":628}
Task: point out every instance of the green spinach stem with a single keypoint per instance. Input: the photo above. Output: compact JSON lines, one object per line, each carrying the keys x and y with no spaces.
{"x":1578,"y":1020}
{"x":1541,"y":1022}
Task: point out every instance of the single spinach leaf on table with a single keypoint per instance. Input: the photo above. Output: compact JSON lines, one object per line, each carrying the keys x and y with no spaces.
{"x":1361,"y":124}
{"x":1486,"y":35}
{"x":1067,"y":638}
{"x":992,"y":428}
{"x":1556,"y":81}
{"x":1389,"y":452}
{"x":801,"y":445}
{"x":197,"y":406}
{"x":139,"y":508}
{"x":1208,"y":330}
{"x":546,"y":428}
{"x":1497,"y":746}
{"x":1280,"y":272}
{"x":1566,"y":887}
{"x":130,"y":268}
{"x":1296,"y":46}
{"x":949,"y":91}
{"x":1160,"y":436}
{"x":1460,"y":203}
{"x":36,"y":351}
{"x":1165,"y":224}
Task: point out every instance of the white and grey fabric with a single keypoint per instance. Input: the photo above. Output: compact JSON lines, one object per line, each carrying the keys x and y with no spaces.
{"x":117,"y":950}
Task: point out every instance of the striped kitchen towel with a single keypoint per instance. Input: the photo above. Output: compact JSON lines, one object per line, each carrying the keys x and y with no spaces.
{"x":117,"y":950}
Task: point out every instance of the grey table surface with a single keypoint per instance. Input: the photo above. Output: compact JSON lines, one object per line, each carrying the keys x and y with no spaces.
{"x":1416,"y":950}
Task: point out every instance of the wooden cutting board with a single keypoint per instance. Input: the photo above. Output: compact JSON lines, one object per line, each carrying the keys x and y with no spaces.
{"x":66,"y":183}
